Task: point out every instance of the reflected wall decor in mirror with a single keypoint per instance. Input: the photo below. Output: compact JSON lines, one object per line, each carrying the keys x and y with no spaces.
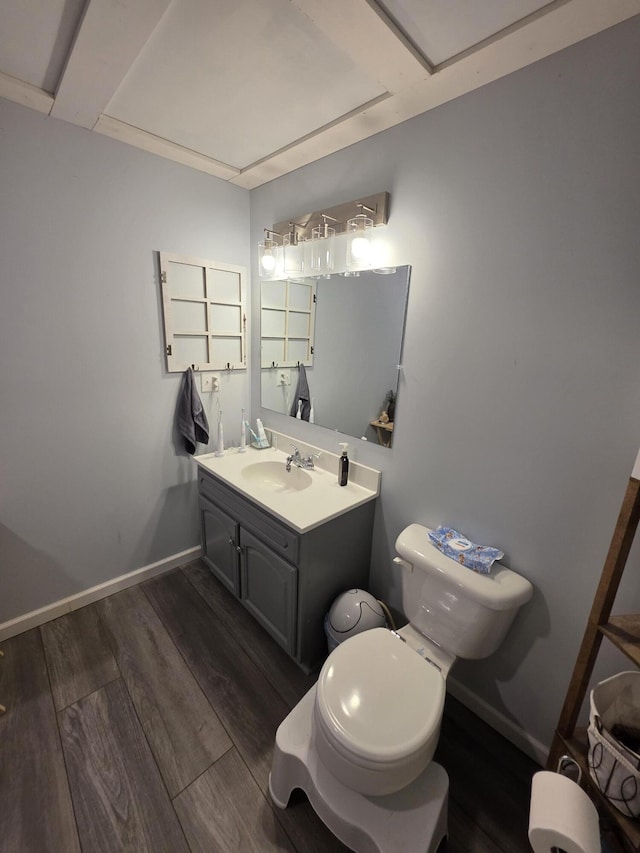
{"x":347,"y":331}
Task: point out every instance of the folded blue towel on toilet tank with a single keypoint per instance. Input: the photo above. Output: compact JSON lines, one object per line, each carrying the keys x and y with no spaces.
{"x":453,"y":544}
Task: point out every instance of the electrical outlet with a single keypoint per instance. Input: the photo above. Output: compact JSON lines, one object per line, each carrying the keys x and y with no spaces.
{"x":209,"y":382}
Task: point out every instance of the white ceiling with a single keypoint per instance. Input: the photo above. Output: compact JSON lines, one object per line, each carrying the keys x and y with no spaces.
{"x":251,"y":89}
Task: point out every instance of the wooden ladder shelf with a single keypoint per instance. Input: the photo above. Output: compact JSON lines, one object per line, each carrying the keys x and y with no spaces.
{"x":624,"y":633}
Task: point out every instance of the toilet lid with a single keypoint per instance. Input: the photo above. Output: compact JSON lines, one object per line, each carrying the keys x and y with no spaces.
{"x":378,"y":697}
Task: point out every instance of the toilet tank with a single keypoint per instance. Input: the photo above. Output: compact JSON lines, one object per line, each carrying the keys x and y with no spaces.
{"x":466,"y":613}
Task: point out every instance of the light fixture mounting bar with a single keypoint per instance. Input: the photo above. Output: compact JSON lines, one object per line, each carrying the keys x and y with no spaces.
{"x":376,"y":207}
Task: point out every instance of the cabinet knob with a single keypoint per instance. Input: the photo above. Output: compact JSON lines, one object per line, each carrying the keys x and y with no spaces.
{"x":238,"y":549}
{"x":232,"y":541}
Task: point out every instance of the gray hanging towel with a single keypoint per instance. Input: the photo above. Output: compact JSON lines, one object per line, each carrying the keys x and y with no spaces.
{"x":302,"y":393}
{"x":191,"y":419}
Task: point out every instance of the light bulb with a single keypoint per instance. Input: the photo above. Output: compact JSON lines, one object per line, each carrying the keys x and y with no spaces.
{"x":267,"y":259}
{"x":360,"y":248}
{"x":359,"y":231}
{"x":268,"y":263}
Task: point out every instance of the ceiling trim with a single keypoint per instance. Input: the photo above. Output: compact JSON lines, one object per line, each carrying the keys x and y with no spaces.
{"x":24,"y":93}
{"x":503,"y":33}
{"x":565,"y":24}
{"x":357,"y":111}
{"x":401,"y":35}
{"x":109,"y":39}
{"x":123,"y":132}
{"x":379,"y":47}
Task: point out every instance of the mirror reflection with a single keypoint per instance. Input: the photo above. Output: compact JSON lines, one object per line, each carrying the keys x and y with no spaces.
{"x":330,"y":350}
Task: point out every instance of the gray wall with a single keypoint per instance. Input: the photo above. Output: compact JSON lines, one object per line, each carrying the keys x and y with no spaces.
{"x":518,"y":417}
{"x":91,"y":486}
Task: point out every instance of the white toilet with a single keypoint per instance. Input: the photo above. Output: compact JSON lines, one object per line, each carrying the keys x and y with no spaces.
{"x":380,"y":695}
{"x":373,"y":718}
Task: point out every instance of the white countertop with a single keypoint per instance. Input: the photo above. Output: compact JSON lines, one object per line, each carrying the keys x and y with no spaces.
{"x":302,"y":510}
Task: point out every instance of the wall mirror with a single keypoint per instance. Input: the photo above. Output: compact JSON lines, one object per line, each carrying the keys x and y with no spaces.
{"x":347,"y":331}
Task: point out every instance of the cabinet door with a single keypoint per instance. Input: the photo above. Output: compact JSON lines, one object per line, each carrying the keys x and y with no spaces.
{"x":269,"y":590}
{"x":220,"y":544}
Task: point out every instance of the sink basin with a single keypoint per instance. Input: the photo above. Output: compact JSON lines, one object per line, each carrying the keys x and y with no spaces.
{"x":273,"y":476}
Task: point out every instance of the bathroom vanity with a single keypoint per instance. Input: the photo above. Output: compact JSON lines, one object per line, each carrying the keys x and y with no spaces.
{"x":286,"y":543}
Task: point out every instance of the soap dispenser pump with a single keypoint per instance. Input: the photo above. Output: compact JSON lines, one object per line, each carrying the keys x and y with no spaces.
{"x":343,"y":465}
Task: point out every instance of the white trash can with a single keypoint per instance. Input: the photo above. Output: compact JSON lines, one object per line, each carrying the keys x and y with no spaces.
{"x":351,"y":613}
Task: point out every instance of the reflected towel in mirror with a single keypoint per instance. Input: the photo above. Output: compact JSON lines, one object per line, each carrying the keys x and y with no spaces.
{"x":302,"y":393}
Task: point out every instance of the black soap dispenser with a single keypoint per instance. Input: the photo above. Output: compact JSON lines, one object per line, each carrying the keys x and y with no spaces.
{"x":343,"y":465}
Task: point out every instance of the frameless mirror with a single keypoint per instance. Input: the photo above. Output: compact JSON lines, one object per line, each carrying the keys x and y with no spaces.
{"x":347,"y":331}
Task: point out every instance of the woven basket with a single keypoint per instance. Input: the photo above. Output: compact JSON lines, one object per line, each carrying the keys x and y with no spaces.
{"x":614,"y":767}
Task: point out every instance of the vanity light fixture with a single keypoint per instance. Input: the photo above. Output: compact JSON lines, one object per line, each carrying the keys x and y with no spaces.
{"x":344,"y":246}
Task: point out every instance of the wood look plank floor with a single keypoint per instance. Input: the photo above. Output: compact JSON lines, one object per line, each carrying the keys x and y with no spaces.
{"x":119,"y":798}
{"x":227,"y":801}
{"x":248,"y":706}
{"x":183,"y":731}
{"x":168,"y":697}
{"x":78,"y":656}
{"x":35,"y":803}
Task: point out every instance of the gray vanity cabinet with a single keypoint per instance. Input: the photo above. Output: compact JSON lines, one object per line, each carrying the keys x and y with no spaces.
{"x":287,"y":580}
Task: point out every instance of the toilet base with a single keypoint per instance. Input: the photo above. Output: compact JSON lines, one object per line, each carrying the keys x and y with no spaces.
{"x":414,"y":818}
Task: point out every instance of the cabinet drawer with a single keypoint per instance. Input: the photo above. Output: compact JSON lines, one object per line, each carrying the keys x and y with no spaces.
{"x":277,"y":536}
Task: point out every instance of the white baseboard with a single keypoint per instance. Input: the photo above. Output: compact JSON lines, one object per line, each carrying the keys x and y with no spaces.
{"x":506,"y":727}
{"x":95,"y":593}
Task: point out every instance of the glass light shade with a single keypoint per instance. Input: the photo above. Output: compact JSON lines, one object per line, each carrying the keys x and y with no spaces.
{"x":267,"y":258}
{"x":359,"y":233}
{"x":323,"y":250}
{"x":293,"y":256}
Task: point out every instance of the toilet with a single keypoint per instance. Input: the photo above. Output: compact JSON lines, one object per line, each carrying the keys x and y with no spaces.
{"x":370,"y":726}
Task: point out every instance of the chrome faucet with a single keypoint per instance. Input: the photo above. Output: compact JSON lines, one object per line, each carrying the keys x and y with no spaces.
{"x":300,"y":461}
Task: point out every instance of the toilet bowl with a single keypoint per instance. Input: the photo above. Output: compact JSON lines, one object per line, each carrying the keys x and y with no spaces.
{"x":380,"y":695}
{"x":377,"y":713}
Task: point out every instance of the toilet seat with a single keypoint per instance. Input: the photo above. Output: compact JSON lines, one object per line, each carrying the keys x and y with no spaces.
{"x":378,"y":703}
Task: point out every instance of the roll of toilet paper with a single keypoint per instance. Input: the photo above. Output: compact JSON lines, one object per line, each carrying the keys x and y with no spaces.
{"x":562,"y":816}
